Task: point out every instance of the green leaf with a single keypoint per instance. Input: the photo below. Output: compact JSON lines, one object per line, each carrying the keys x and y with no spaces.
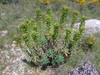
{"x":59,"y":58}
{"x":50,"y":53}
{"x":44,"y":60}
{"x":43,"y":41}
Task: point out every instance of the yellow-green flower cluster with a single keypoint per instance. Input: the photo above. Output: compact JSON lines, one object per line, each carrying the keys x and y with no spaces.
{"x":49,"y":12}
{"x":64,"y":14}
{"x":39,"y":16}
{"x":68,"y":35}
{"x":90,"y":40}
{"x":48,"y":22}
{"x":83,"y":21}
{"x":56,"y":32}
{"x":75,"y":16}
{"x":29,"y":32}
{"x":76,"y":37}
{"x":78,"y":34}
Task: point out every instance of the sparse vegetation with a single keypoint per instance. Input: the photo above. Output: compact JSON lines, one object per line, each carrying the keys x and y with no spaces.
{"x":14,"y":12}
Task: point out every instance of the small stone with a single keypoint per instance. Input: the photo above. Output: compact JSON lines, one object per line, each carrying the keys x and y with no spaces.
{"x":13,"y":45}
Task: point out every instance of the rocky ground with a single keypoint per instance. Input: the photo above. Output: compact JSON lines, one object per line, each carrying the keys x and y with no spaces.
{"x":11,"y":61}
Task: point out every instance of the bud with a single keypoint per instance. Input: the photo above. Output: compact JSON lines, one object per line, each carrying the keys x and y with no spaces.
{"x":64,"y":14}
{"x":75,"y":16}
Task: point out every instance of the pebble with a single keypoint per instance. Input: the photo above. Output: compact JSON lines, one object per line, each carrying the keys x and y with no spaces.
{"x":3,"y":33}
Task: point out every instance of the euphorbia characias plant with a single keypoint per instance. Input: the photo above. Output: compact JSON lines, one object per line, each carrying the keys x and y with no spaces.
{"x":42,"y":38}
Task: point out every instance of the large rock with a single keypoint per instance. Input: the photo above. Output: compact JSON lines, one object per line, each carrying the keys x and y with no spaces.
{"x":92,"y":26}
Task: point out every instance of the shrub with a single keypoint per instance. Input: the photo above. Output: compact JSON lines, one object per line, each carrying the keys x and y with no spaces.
{"x":90,"y":3}
{"x":87,"y":1}
{"x":88,"y":42}
{"x":48,"y":42}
